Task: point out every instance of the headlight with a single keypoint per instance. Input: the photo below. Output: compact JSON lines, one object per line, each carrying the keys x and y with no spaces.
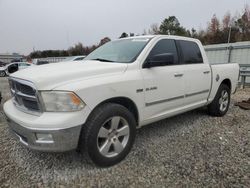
{"x":61,"y":101}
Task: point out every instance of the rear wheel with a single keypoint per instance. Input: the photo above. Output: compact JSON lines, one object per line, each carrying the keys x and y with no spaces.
{"x":108,"y":135}
{"x":221,"y":102}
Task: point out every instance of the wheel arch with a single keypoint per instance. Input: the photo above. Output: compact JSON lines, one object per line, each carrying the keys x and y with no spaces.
{"x":123,"y":101}
{"x":228,"y":83}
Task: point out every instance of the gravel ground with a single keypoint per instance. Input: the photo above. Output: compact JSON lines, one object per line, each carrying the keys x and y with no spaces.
{"x":192,"y":149}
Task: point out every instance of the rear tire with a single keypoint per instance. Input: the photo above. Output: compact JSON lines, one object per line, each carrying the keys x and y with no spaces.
{"x":108,"y":135}
{"x":221,"y":102}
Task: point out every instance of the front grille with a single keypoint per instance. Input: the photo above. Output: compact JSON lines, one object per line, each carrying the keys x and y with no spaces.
{"x":24,"y":95}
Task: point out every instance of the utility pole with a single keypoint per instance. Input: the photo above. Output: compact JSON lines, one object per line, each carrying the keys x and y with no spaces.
{"x":229,"y":34}
{"x":229,"y":47}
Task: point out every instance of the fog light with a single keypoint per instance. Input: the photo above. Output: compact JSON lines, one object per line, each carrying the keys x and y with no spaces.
{"x":44,"y":138}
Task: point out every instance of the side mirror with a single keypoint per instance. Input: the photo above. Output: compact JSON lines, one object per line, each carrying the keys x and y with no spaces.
{"x":160,"y":60}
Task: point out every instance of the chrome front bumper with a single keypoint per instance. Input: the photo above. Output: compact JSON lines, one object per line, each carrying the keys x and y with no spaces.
{"x":62,"y":139}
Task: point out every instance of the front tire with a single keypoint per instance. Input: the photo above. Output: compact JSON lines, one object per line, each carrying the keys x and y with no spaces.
{"x":2,"y":73}
{"x":221,"y":102}
{"x":108,"y":135}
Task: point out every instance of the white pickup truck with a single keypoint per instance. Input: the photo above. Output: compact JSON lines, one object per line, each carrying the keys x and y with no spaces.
{"x":96,"y":105}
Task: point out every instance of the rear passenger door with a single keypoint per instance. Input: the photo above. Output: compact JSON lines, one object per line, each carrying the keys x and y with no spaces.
{"x":197,"y":74}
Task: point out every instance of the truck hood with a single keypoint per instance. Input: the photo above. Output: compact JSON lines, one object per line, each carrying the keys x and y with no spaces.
{"x":47,"y":77}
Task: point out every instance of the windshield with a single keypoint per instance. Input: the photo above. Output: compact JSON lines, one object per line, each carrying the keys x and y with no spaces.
{"x":120,"y":51}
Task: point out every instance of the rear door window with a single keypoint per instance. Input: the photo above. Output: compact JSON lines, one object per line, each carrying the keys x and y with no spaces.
{"x":191,"y":53}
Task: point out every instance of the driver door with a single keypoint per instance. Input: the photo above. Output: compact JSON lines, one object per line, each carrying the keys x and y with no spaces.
{"x":163,"y":85}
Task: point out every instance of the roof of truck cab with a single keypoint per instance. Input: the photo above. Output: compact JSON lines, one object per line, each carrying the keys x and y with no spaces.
{"x":161,"y":36}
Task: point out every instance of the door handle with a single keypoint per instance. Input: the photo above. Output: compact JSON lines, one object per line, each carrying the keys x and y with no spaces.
{"x":206,"y":72}
{"x":178,"y":75}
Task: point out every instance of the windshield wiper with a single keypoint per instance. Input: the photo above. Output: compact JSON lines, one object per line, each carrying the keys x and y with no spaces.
{"x":103,"y":60}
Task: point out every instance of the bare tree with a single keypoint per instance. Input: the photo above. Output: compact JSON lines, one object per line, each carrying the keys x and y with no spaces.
{"x":214,"y":25}
{"x":227,"y":21}
{"x":154,"y":29}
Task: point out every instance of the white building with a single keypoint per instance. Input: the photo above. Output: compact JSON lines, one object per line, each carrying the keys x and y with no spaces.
{"x":7,"y":58}
{"x":238,"y":52}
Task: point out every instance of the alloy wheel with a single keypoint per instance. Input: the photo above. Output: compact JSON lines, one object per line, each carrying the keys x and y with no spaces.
{"x":113,"y":136}
{"x":224,"y":100}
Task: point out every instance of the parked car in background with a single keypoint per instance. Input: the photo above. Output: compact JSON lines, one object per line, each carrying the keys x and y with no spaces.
{"x":13,"y":67}
{"x":74,"y":58}
{"x":16,"y":60}
{"x":2,"y":64}
{"x":42,"y":62}
{"x":39,"y":62}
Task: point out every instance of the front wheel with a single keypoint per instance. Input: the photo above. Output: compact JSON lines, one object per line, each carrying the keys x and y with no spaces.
{"x":108,"y":135}
{"x":221,"y":102}
{"x":2,"y":73}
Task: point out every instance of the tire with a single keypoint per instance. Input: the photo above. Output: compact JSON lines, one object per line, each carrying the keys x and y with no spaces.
{"x":102,"y":145}
{"x":2,"y":73}
{"x":221,"y":102}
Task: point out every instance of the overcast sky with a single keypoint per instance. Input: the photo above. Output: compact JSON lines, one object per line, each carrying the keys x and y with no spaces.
{"x":56,"y":24}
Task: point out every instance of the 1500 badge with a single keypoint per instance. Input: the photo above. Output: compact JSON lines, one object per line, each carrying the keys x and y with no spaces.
{"x":147,"y":89}
{"x":151,"y":88}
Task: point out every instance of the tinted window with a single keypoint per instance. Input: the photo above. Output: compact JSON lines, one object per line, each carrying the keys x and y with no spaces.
{"x":165,"y":46}
{"x":190,"y":52}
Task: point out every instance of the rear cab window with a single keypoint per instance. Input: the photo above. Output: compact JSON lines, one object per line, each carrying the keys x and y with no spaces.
{"x":190,"y":52}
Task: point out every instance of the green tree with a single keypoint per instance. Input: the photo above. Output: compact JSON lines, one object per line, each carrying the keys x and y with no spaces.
{"x":171,"y":26}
